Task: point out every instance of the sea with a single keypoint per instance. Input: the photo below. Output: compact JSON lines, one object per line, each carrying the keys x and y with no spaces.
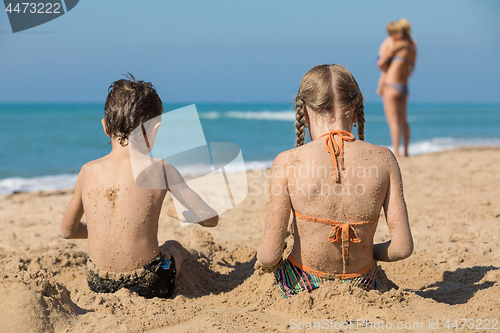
{"x":43,"y":146}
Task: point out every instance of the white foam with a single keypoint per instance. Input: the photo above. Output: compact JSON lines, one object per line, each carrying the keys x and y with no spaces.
{"x":18,"y":184}
{"x":443,"y":144}
{"x":209,"y":115}
{"x":263,"y":115}
{"x":194,"y":170}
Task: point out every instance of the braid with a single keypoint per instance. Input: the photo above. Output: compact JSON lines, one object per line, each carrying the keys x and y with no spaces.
{"x":300,"y":122}
{"x":361,"y":121}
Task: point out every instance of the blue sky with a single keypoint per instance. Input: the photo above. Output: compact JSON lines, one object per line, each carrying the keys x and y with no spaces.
{"x":252,"y":51}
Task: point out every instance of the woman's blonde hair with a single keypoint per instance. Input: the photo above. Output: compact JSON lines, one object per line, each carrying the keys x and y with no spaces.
{"x":405,"y":25}
{"x":329,"y":90}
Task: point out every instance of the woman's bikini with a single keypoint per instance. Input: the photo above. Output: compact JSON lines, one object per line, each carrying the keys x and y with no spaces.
{"x":402,"y":88}
{"x":297,"y":277}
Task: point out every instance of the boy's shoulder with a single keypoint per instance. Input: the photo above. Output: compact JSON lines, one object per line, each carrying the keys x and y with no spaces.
{"x":95,"y":164}
{"x":93,"y":168}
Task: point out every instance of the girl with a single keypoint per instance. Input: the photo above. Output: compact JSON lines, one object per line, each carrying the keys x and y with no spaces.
{"x":335,"y":186}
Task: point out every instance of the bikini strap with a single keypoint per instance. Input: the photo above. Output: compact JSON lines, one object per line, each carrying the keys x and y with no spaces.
{"x":337,"y":149}
{"x":319,"y":274}
{"x":341,"y":233}
{"x":408,"y":62}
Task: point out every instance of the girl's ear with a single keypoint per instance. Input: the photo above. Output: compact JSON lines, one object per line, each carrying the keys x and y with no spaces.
{"x":355,"y":120}
{"x":104,"y":127}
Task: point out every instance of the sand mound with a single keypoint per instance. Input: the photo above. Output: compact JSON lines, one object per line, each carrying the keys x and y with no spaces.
{"x":33,"y":302}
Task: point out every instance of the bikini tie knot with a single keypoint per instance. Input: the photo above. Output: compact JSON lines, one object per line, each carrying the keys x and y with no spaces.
{"x":337,"y":149}
{"x":341,"y":233}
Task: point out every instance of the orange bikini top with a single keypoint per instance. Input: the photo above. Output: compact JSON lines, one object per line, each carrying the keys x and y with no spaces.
{"x":337,"y":149}
{"x":342,"y":232}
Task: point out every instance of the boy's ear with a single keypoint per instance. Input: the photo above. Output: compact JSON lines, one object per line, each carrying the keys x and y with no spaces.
{"x":104,"y":127}
{"x":155,"y":129}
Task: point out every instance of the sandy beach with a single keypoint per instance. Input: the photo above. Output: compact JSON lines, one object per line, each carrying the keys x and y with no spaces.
{"x":453,"y":201}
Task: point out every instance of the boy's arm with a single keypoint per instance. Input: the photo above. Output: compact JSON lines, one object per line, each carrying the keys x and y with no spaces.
{"x":189,"y":198}
{"x":401,"y":244}
{"x":271,"y":248}
{"x":71,"y":226}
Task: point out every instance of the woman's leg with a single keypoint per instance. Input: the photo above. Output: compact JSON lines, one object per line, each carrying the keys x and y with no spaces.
{"x":403,"y":123}
{"x":390,"y":99}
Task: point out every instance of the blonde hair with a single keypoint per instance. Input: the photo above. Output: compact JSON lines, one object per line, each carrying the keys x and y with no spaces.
{"x":393,"y":27}
{"x":405,"y":25}
{"x":330,"y":90}
{"x":401,"y":25}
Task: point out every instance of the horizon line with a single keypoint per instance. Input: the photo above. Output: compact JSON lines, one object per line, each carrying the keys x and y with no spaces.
{"x":232,"y":102}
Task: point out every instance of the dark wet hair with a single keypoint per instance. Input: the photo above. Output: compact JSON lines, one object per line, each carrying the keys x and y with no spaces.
{"x":129,"y":104}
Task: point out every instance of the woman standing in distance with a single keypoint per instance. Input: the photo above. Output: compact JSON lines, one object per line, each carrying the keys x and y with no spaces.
{"x":396,"y":61}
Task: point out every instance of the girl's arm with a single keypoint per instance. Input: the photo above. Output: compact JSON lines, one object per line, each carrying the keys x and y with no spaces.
{"x":189,"y":198}
{"x":278,"y":214}
{"x":71,"y":226}
{"x":401,"y":244}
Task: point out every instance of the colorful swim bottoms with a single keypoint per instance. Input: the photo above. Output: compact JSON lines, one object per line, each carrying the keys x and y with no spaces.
{"x":292,"y":280}
{"x":155,"y":279}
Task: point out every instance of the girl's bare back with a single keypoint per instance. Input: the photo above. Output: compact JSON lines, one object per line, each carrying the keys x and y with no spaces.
{"x":358,"y":197}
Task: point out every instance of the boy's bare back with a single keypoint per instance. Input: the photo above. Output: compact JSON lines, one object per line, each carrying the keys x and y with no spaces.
{"x":122,"y":218}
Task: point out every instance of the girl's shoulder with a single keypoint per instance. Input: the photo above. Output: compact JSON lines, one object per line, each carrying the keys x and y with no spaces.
{"x":376,"y":154}
{"x":371,"y":146}
{"x":295,"y":155}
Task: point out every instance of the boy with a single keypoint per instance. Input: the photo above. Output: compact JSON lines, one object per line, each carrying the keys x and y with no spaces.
{"x":122,"y":218}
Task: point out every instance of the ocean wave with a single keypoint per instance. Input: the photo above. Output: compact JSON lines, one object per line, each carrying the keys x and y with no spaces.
{"x":209,"y":115}
{"x":194,"y":170}
{"x":44,"y":183}
{"x":281,"y":116}
{"x":263,"y":115}
{"x":50,"y":183}
{"x":254,"y":115}
{"x":443,"y":144}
